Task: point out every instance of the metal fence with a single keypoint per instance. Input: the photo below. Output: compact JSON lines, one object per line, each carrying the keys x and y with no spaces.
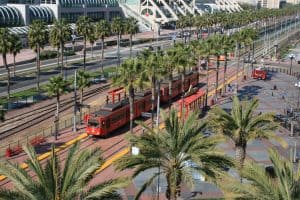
{"x":45,"y":132}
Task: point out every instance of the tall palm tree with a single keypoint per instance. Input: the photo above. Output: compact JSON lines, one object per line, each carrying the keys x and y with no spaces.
{"x":181,"y":23}
{"x":216,"y":50}
{"x":85,"y":28}
{"x":242,"y":125}
{"x":5,"y":43}
{"x":131,"y":76}
{"x":172,"y":150}
{"x":60,"y":33}
{"x":102,"y":31}
{"x":55,"y":180}
{"x":152,"y":64}
{"x":284,"y":183}
{"x":56,"y":86}
{"x":37,"y":36}
{"x":92,"y":39}
{"x":15,"y":48}
{"x":199,"y":24}
{"x":131,"y":27}
{"x":169,"y":60}
{"x":83,"y":81}
{"x":227,"y":44}
{"x":117,"y":27}
{"x":205,"y":51}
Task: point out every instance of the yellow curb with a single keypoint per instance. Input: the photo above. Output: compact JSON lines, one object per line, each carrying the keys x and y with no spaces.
{"x":47,"y":154}
{"x":115,"y":157}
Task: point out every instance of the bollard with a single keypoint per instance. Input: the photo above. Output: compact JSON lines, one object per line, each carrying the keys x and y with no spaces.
{"x":212,"y":102}
{"x":245,"y":77}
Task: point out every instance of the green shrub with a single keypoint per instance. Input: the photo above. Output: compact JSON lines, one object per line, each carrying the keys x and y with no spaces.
{"x":48,"y":54}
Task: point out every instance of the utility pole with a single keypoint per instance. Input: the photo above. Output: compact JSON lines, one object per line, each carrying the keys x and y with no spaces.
{"x":157,"y":126}
{"x":75,"y":102}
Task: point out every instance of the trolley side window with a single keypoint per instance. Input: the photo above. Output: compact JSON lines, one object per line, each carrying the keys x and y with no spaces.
{"x":93,"y":123}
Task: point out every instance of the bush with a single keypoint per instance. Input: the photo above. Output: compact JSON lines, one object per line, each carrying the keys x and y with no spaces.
{"x":48,"y":54}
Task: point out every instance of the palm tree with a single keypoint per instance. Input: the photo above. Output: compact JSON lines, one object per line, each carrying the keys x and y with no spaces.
{"x":242,"y":125}
{"x":56,"y":86}
{"x":15,"y":48}
{"x":284,"y":183}
{"x":169,"y":60}
{"x":205,"y":51}
{"x":37,"y":36}
{"x":5,"y":44}
{"x":199,"y":24}
{"x":83,"y":81}
{"x":55,"y":180}
{"x":131,"y":27}
{"x":131,"y":76}
{"x":227,"y":44}
{"x":173,"y":150}
{"x":117,"y":27}
{"x":102,"y":31}
{"x":152,"y":63}
{"x":60,"y":33}
{"x":181,"y":23}
{"x":92,"y":39}
{"x":84,"y":28}
{"x":216,"y":50}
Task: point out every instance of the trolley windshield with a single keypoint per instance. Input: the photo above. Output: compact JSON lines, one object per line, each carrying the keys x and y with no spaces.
{"x":93,"y":123}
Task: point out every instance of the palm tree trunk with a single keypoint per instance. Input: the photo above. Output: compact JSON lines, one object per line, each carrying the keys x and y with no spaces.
{"x":102,"y":55}
{"x":84,"y":53}
{"x":217,"y":75}
{"x":240,"y":155}
{"x":62,"y":59}
{"x":81,"y":102}
{"x":225,"y":72}
{"x":118,"y":53}
{"x":57,"y":57}
{"x":170,"y":90}
{"x":131,"y":104}
{"x":38,"y":67}
{"x":92,"y":50}
{"x":238,"y":68}
{"x":57,"y":116}
{"x":153,"y":95}
{"x":8,"y":74}
{"x":14,"y":64}
{"x":130,"y":41}
{"x":171,"y":188}
{"x":207,"y":79}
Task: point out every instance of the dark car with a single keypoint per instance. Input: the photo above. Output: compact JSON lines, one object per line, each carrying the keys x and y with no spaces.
{"x":249,"y":60}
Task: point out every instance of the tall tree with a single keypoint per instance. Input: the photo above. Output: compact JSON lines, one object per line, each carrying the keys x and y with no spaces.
{"x":117,"y":27}
{"x":83,"y":81}
{"x":152,"y":63}
{"x":177,"y":151}
{"x":131,"y":28}
{"x":169,"y":60}
{"x":92,"y":39}
{"x":102,"y":31}
{"x":216,"y":50}
{"x":37,"y":36}
{"x":199,"y":23}
{"x":15,"y":48}
{"x":60,"y":33}
{"x":84,"y":28}
{"x":55,"y":180}
{"x":56,"y":86}
{"x":130,"y":76}
{"x":227,"y":44}
{"x":242,"y":125}
{"x":283,"y":183}
{"x":5,"y":43}
{"x":181,"y":23}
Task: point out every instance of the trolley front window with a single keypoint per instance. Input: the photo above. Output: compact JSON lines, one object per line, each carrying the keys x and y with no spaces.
{"x":93,"y":123}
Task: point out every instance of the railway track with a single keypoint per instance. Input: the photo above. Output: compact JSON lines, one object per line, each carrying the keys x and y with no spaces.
{"x":14,"y":125}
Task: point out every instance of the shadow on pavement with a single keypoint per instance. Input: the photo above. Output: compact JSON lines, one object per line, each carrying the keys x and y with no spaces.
{"x":45,"y":147}
{"x":247,"y":92}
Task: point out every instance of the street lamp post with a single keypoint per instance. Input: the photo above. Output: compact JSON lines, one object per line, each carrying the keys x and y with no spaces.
{"x":291,"y":56}
{"x":298,"y":102}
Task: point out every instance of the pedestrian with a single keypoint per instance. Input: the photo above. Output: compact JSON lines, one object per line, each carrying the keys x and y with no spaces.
{"x":275,"y":87}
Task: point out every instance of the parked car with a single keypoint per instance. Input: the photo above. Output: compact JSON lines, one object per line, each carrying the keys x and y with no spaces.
{"x":249,"y":60}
